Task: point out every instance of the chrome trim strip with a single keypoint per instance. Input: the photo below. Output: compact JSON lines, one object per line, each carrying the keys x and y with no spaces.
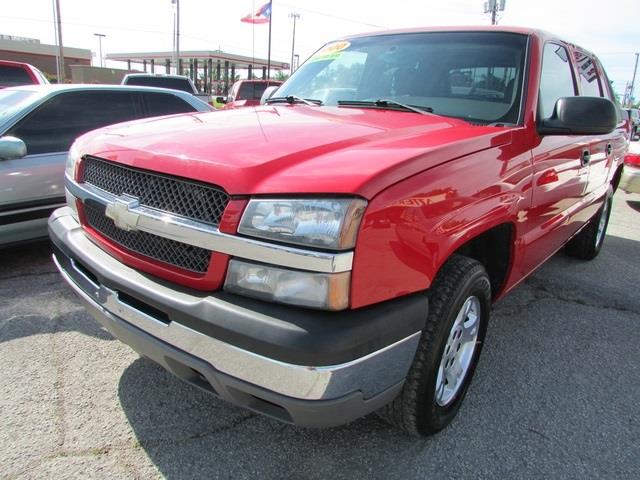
{"x":206,"y":236}
{"x":369,"y":374}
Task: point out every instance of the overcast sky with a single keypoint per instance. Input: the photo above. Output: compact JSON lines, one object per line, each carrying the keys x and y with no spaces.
{"x":611,"y":28}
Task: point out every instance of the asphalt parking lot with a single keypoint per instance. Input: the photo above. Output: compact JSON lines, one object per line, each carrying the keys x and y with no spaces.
{"x":556,"y":393}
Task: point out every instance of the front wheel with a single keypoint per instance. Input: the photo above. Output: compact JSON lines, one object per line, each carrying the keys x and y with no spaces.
{"x":448,"y":352}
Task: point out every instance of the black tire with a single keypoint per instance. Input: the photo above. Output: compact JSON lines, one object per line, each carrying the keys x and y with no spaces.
{"x":416,"y":410}
{"x":586,"y":245}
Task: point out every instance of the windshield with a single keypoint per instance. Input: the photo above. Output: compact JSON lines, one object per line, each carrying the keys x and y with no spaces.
{"x":476,"y":76}
{"x":13,"y":100}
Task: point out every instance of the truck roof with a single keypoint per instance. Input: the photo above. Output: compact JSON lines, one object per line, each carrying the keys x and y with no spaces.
{"x":541,"y":34}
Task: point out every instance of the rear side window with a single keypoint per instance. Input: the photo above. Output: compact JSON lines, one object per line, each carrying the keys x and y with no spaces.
{"x":10,"y":76}
{"x":556,"y":80}
{"x":605,"y":85}
{"x":61,"y":119}
{"x":165,"y":104}
{"x":588,"y":73}
{"x":162,"y":82}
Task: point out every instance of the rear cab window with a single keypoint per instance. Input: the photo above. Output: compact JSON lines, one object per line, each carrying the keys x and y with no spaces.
{"x":181,"y":84}
{"x":12,"y":76}
{"x":251,"y":90}
{"x":165,"y":104}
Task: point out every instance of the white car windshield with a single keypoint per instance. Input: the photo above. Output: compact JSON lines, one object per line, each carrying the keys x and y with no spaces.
{"x":13,"y":100}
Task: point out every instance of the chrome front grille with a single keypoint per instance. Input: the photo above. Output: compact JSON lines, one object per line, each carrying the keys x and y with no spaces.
{"x":187,"y":257}
{"x":173,"y":195}
{"x":170,"y":194}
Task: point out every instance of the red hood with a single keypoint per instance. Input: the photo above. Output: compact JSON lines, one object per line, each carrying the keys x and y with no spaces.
{"x":292,"y":149}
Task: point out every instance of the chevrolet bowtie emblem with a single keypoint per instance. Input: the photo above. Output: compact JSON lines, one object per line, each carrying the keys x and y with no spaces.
{"x":120,"y":212}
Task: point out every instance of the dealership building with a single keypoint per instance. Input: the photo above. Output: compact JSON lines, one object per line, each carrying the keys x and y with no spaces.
{"x":41,"y":55}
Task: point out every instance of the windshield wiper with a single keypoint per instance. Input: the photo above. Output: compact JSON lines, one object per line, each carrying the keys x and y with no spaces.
{"x":384,"y":103}
{"x":291,"y":99}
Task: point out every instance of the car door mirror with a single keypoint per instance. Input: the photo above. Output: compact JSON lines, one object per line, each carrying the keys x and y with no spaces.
{"x":12,"y":148}
{"x":268,"y":92}
{"x":580,"y":116}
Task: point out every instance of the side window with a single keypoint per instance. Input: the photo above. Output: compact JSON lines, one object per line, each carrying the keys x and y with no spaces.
{"x":608,"y":91}
{"x":165,"y":104}
{"x":556,"y":80}
{"x":60,"y":120}
{"x":588,"y":73}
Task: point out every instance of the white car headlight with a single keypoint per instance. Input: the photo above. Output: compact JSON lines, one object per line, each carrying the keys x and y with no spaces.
{"x":330,"y":223}
{"x":73,"y":157}
{"x":327,"y":291}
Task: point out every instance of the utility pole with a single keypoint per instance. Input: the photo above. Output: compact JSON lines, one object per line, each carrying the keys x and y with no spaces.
{"x":269,"y":49}
{"x":100,"y":37}
{"x":493,"y":7}
{"x":295,"y":16}
{"x":58,"y":24}
{"x":177,"y":36}
{"x":633,"y":80}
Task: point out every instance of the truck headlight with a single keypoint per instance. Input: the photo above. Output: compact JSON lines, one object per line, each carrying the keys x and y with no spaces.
{"x":327,"y":291}
{"x":330,"y":223}
{"x":73,"y":157}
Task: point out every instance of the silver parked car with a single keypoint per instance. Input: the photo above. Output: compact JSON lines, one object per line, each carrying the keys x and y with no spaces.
{"x":38,"y":123}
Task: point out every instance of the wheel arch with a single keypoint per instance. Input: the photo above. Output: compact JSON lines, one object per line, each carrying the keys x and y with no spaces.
{"x":494,"y":248}
{"x":615,"y":181}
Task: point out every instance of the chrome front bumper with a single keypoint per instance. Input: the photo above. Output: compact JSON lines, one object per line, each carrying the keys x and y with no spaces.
{"x":373,"y":378}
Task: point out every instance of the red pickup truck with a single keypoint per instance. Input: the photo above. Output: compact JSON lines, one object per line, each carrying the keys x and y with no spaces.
{"x":337,"y":251}
{"x":18,"y":73}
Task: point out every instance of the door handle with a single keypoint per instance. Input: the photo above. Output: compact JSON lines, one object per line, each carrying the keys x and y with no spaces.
{"x":586,"y":158}
{"x":609,"y":149}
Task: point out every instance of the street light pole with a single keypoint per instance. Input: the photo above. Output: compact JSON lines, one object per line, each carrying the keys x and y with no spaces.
{"x":100,"y":37}
{"x":295,"y":16}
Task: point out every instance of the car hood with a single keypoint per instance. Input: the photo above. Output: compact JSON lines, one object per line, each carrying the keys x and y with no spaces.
{"x":292,"y":149}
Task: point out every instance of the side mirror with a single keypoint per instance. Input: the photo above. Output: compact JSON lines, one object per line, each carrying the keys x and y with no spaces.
{"x":268,"y":92}
{"x":12,"y":148}
{"x":220,"y":99}
{"x":580,"y":116}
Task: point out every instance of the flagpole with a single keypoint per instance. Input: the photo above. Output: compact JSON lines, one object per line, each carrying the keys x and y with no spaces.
{"x":269,"y":52}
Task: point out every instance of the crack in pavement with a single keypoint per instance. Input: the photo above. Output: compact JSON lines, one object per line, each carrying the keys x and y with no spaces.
{"x":542,"y":292}
{"x":136,"y":445}
{"x":553,"y":439}
{"x":60,"y":409}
